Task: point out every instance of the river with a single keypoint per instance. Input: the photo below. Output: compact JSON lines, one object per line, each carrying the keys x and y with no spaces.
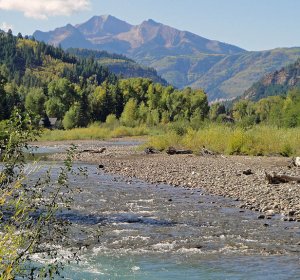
{"x":135,"y":230}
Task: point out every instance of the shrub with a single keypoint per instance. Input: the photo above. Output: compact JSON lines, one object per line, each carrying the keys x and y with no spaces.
{"x":112,"y":121}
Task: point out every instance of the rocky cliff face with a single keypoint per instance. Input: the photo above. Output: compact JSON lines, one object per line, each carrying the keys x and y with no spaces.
{"x":276,"y":82}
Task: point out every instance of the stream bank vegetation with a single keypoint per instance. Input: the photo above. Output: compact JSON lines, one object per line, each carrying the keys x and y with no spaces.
{"x":255,"y":141}
{"x":32,"y":227}
{"x":89,"y":102}
{"x":270,"y":126}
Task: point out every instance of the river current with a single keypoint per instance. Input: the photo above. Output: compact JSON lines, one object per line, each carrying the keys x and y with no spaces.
{"x":135,"y":230}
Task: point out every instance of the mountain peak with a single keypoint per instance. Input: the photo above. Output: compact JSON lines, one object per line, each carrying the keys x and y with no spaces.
{"x":109,"y":33}
{"x":103,"y":25}
{"x":152,"y":22}
{"x":106,"y":17}
{"x":70,"y":26}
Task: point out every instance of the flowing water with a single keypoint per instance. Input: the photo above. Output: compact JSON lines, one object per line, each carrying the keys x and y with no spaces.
{"x":135,"y":230}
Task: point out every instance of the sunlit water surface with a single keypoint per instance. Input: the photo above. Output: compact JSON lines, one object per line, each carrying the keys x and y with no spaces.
{"x":135,"y":230}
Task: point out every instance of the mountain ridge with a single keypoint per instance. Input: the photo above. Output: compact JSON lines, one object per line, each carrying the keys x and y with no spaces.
{"x":182,"y":58}
{"x":148,"y":31}
{"x":277,"y":82}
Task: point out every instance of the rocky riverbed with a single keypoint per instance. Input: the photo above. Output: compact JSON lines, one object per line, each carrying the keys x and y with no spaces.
{"x":226,"y":176}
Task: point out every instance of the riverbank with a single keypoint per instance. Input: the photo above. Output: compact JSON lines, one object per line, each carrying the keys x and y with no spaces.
{"x":218,"y":175}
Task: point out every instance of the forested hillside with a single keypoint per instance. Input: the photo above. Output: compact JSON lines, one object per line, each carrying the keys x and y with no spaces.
{"x":275,"y":83}
{"x":52,"y":83}
{"x":120,"y":65}
{"x":274,"y":99}
{"x":181,"y":58}
{"x":281,"y":110}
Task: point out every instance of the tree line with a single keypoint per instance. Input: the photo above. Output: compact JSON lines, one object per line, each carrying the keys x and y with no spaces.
{"x":280,"y":111}
{"x":77,"y":91}
{"x":52,"y":83}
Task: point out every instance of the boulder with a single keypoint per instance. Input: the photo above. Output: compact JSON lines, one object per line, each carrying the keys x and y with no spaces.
{"x":297,"y":161}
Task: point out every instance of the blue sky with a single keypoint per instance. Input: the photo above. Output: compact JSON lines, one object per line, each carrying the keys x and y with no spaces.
{"x":250,"y":24}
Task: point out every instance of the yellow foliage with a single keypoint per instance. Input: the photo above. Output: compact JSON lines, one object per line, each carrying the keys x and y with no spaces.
{"x":52,"y":69}
{"x":11,"y":241}
{"x":92,"y":132}
{"x":27,"y":43}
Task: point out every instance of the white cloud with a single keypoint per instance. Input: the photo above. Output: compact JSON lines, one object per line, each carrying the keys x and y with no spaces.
{"x":5,"y":26}
{"x":42,"y":9}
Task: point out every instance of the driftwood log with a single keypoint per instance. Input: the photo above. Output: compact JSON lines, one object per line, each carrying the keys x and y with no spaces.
{"x":248,"y":172}
{"x":150,"y":150}
{"x":206,"y":152}
{"x":278,"y":179}
{"x":173,"y":151}
{"x":100,"y":151}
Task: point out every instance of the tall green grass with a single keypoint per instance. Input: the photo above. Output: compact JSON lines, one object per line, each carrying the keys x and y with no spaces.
{"x":259,"y":140}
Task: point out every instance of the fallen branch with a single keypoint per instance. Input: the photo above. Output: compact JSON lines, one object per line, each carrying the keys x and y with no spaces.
{"x":278,"y":179}
{"x":173,"y":151}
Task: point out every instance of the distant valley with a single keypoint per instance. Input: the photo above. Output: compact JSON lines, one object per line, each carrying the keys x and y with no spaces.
{"x":182,"y":58}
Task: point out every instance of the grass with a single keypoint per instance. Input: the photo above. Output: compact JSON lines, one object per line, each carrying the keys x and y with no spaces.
{"x":259,"y":140}
{"x":92,"y":133}
{"x":230,"y":140}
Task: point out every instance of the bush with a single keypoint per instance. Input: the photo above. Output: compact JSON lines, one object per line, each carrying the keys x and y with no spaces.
{"x":112,"y":121}
{"x":162,"y":142}
{"x":179,"y":127}
{"x":236,"y":143}
{"x":29,"y":209}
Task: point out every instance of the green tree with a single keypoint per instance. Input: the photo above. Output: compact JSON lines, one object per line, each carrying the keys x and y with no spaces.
{"x":143,"y":112}
{"x":35,"y":101}
{"x":199,"y":104}
{"x":276,"y":114}
{"x":129,"y":115}
{"x":71,"y":118}
{"x":153,"y":118}
{"x":242,"y":109}
{"x":62,"y":95}
{"x":55,"y":107}
{"x":112,"y":121}
{"x":4,"y":110}
{"x":215,"y":110}
{"x":102,"y":103}
{"x":83,"y":111}
{"x":291,"y":108}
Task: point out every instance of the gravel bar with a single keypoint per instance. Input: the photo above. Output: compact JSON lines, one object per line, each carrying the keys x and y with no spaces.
{"x":217,"y":175}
